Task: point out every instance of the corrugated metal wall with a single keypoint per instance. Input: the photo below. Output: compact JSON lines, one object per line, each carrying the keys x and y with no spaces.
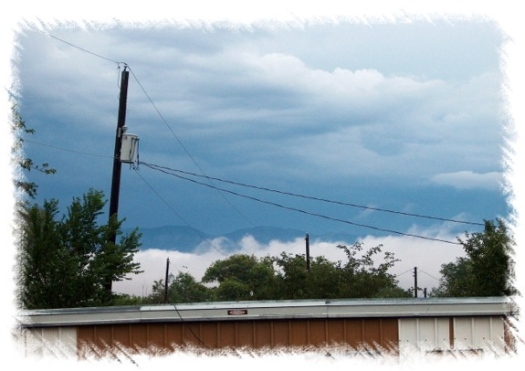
{"x":473,"y":334}
{"x":50,"y":341}
{"x":478,"y":332}
{"x":398,"y":335}
{"x":373,"y":332}
{"x":425,"y":333}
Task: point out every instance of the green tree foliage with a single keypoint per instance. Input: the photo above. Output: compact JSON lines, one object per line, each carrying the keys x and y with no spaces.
{"x":65,"y":262}
{"x":486,"y":270}
{"x":291,"y":282}
{"x":241,"y":277}
{"x":127,"y":300}
{"x":183,"y":289}
{"x":358,"y":277}
{"x":24,"y":164}
{"x":244,"y":277}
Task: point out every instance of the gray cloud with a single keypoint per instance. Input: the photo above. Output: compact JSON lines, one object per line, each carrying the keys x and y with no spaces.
{"x":469,"y":180}
{"x":266,"y":107}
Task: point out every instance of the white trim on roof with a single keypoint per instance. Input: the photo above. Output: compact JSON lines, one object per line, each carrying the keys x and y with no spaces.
{"x":253,"y":310}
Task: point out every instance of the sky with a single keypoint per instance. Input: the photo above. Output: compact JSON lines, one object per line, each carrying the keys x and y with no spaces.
{"x":399,"y":117}
{"x":406,"y":116}
{"x":402,"y":117}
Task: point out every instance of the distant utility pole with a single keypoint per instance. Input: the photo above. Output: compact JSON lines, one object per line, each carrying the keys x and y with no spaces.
{"x":307,"y":238}
{"x":166,"y":281}
{"x":415,"y":282}
{"x":117,"y":165}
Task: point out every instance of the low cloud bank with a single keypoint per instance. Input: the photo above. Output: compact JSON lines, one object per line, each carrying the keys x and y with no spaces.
{"x":426,"y":255}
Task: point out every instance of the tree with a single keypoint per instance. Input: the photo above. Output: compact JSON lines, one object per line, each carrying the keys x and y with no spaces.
{"x":19,"y":128}
{"x":486,"y":270}
{"x":183,"y":289}
{"x":360,"y":278}
{"x":291,"y":277}
{"x":65,"y":263}
{"x":242,"y":277}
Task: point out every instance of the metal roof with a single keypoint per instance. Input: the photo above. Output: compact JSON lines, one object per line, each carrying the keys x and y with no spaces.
{"x":260,"y":310}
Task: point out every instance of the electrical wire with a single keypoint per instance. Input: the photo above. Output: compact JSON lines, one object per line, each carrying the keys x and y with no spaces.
{"x":180,"y":216}
{"x":76,"y":46}
{"x":400,"y":274}
{"x":169,"y":171}
{"x":68,"y":150}
{"x":153,"y":105}
{"x":300,"y":210}
{"x":235,"y":183}
{"x":238,"y":183}
{"x":318,"y":198}
{"x":186,"y":150}
{"x":422,"y":271}
{"x":249,"y":197}
{"x":118,"y":63}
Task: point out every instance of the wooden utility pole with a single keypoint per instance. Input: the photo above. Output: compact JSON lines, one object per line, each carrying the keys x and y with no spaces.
{"x":307,"y":238}
{"x":117,"y":165}
{"x":166,"y":281}
{"x":415,"y":282}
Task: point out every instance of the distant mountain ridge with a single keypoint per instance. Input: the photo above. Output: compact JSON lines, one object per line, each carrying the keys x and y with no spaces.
{"x":187,"y":239}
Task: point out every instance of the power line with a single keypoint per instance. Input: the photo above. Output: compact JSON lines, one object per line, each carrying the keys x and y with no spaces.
{"x":153,"y":105}
{"x":112,"y":157}
{"x":437,"y":279}
{"x":76,"y":46}
{"x":211,"y":185}
{"x":159,"y":114}
{"x":242,"y":215}
{"x":302,"y":211}
{"x":186,"y":150}
{"x":176,"y":213}
{"x":400,"y":274}
{"x":68,"y":150}
{"x":313,"y":197}
{"x":168,"y":171}
{"x":118,"y":63}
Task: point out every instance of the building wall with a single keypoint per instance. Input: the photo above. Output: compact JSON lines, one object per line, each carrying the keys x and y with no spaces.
{"x":432,"y":325}
{"x":374,"y":333}
{"x":50,"y":341}
{"x":425,"y":333}
{"x":472,"y":334}
{"x":479,"y":332}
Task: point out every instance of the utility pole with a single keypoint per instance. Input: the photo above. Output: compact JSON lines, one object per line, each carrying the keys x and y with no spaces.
{"x":307,"y":238}
{"x":166,"y":281}
{"x":117,"y":165}
{"x":415,"y":282}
